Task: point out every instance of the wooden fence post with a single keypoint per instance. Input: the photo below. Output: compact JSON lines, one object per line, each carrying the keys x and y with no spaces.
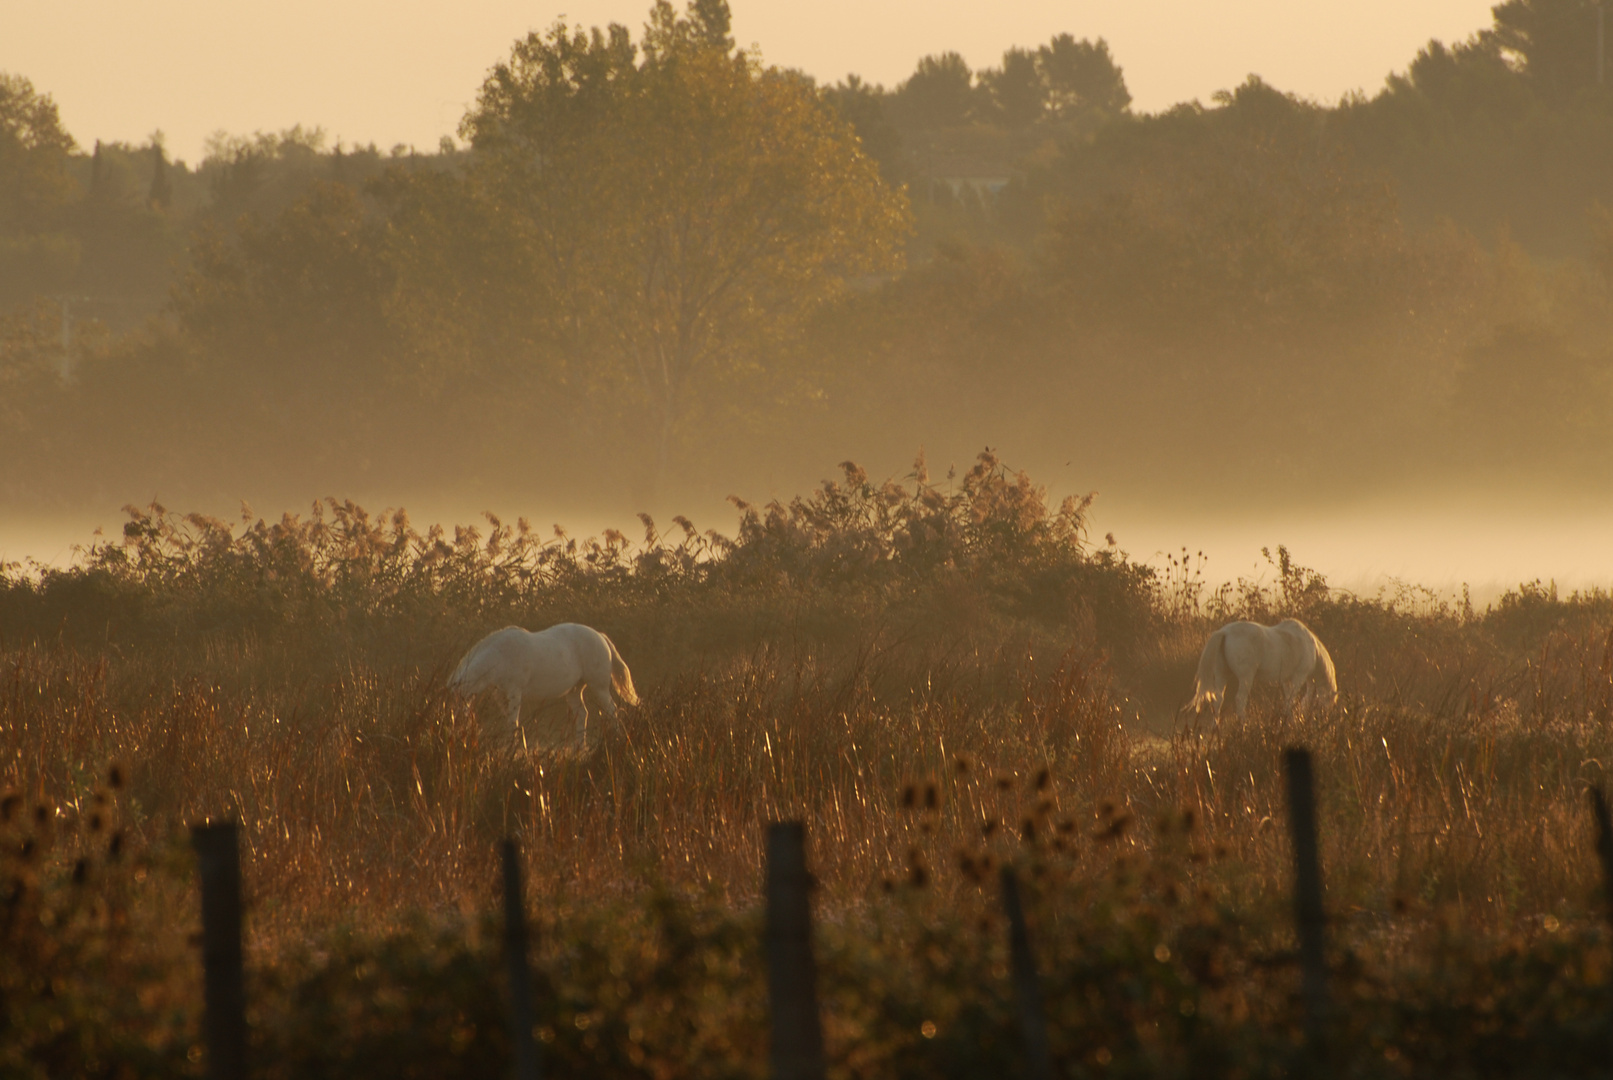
{"x":527,"y":1064}
{"x":1307,"y":888}
{"x":792,"y":977}
{"x":1027,"y":990}
{"x":218,"y":862}
{"x":1604,"y":845}
{"x":1604,"y":853}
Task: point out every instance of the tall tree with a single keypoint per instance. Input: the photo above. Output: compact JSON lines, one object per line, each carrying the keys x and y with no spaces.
{"x":162,"y":190}
{"x":1081,"y":77}
{"x":863,"y":107}
{"x":1017,"y":89}
{"x":940,"y":93}
{"x":680,"y":208}
{"x":1554,"y":41}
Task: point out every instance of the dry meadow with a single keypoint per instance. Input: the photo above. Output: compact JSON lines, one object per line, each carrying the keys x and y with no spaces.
{"x":938,"y":678}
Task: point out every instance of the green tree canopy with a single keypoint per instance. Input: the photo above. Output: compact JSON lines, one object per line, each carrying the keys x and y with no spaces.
{"x":680,"y":208}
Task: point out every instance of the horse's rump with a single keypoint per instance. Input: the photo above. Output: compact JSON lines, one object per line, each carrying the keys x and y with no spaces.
{"x":1288,"y":655}
{"x":1211,"y":681}
{"x":620,"y":677}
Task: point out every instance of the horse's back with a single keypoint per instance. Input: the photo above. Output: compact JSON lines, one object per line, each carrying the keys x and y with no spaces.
{"x":587,"y":645}
{"x":1299,"y":638}
{"x":1246,"y":644}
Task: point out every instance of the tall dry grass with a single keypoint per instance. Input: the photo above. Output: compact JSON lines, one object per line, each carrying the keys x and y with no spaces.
{"x":939,"y":681}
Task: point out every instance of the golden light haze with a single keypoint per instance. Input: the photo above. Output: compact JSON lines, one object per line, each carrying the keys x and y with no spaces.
{"x":404,"y":72}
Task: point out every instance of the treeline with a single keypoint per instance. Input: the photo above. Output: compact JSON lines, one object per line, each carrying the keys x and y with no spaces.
{"x":660,"y":268}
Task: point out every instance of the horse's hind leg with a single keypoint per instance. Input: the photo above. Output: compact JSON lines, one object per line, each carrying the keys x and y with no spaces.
{"x":601,"y":697}
{"x":512,"y":699}
{"x":579,"y":711}
{"x":1246,"y":685}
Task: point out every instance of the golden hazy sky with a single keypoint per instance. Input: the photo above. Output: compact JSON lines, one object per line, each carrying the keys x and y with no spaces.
{"x":403,"y":71}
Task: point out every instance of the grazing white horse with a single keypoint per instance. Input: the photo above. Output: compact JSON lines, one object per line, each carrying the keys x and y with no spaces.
{"x":1287,"y":654}
{"x":562,"y":661}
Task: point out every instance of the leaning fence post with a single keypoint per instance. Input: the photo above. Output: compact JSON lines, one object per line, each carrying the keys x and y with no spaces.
{"x":1307,"y":887}
{"x":1027,"y":990}
{"x":527,"y":1065}
{"x":218,"y":863}
{"x":792,"y":980}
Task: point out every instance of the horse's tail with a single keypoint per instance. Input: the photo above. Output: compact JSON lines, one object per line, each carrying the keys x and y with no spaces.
{"x":621,"y":679}
{"x":1211,"y":681}
{"x":1324,"y":662}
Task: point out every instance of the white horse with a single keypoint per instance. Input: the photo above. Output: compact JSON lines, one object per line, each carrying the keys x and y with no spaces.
{"x":562,"y":661}
{"x":1287,"y":654}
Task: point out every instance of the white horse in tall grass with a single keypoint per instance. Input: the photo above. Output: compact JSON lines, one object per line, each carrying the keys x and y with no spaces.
{"x":1287,"y":654}
{"x":566,"y":660}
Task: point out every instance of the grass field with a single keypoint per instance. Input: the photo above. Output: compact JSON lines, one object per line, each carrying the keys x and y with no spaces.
{"x":938,"y":678}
